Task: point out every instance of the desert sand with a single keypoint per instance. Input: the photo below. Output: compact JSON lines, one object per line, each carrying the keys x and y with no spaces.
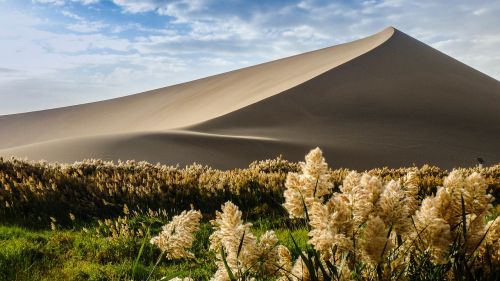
{"x":385,"y":100}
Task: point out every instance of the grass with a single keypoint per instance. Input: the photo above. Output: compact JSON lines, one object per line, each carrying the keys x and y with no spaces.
{"x":36,"y":191}
{"x":97,"y":236}
{"x":73,"y":254}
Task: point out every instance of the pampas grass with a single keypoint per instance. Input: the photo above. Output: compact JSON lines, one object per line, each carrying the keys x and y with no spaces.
{"x":383,"y":224}
{"x":177,"y":236}
{"x":370,"y":230}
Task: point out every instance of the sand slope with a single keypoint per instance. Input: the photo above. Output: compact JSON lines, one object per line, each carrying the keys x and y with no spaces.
{"x":384,"y":100}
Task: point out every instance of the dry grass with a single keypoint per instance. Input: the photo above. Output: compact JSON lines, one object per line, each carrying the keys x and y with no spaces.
{"x":98,"y":189}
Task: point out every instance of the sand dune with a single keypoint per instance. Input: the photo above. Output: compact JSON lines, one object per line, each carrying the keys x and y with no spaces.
{"x":183,"y":104}
{"x":384,"y":100}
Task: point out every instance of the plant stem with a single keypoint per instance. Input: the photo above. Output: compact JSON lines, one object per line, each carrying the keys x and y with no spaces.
{"x":156,"y":264}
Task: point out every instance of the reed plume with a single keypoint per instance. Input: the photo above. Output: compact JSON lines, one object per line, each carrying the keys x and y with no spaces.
{"x":234,"y":237}
{"x":375,"y":241}
{"x":308,"y":186}
{"x":177,"y":236}
{"x":285,"y":264}
{"x":393,"y":208}
{"x":432,"y":230}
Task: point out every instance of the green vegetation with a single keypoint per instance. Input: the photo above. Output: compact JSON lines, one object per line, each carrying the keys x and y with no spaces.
{"x":78,"y":254}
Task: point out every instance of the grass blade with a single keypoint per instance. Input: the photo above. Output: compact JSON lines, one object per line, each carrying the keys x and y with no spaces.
{"x":464,"y":219}
{"x":240,"y":246}
{"x":228,"y":269}
{"x":136,"y":262}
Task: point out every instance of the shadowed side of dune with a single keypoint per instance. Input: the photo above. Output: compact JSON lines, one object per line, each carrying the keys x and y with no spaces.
{"x":169,"y":148}
{"x":400,"y":104}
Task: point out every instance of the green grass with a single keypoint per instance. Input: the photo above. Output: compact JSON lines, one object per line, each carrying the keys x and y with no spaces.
{"x":34,"y":254}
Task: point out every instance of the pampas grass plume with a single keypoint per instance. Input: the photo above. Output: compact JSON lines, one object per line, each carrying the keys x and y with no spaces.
{"x":375,"y":242}
{"x":177,"y":236}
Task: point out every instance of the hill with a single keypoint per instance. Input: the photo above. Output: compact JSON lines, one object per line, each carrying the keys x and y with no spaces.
{"x":385,"y":100}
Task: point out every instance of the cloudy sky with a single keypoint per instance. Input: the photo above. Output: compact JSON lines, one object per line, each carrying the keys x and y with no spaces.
{"x":62,"y":52}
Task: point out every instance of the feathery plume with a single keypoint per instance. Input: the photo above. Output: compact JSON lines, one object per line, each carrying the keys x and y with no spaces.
{"x":322,"y":231}
{"x":454,"y":180}
{"x":491,"y":242}
{"x":268,"y":253}
{"x":337,"y":223}
{"x":373,"y":186}
{"x":432,"y":230}
{"x":393,"y":209}
{"x":177,"y":236}
{"x":448,"y":198}
{"x":350,"y":181}
{"x":296,"y":195}
{"x":375,"y":243}
{"x":299,"y":271}
{"x":477,"y":200}
{"x":411,"y":184}
{"x":284,"y":263}
{"x":363,"y":197}
{"x":230,"y":232}
{"x":476,"y":231}
{"x":309,"y":186}
{"x":329,"y":228}
{"x":316,"y":170}
{"x":125,"y":209}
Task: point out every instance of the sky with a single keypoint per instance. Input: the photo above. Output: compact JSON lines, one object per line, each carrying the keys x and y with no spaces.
{"x":62,"y":52}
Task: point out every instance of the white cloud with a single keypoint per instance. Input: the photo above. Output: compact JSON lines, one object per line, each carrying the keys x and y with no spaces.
{"x":87,"y":26}
{"x":216,"y":61}
{"x":72,"y":15}
{"x":86,"y":2}
{"x":82,"y":25}
{"x":53,"y":2}
{"x":182,"y":9}
{"x":7,"y":70}
{"x":63,"y":2}
{"x":131,"y":6}
{"x":305,"y":32}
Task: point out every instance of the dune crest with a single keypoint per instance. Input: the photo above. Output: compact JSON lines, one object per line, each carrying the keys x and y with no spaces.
{"x":387,"y":99}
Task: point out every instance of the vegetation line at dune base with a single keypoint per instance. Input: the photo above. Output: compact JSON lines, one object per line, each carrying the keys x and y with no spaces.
{"x":91,"y":189}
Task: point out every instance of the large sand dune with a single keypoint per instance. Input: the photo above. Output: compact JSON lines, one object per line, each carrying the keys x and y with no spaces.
{"x":384,"y":100}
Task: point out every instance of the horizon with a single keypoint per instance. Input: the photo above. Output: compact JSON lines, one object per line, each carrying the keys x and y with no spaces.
{"x":65,"y":52}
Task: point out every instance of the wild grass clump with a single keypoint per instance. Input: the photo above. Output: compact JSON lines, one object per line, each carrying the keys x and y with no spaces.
{"x":374,"y":230}
{"x":44,"y":193}
{"x":366,"y":230}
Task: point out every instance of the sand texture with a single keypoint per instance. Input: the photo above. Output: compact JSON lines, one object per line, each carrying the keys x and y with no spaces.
{"x":385,"y":100}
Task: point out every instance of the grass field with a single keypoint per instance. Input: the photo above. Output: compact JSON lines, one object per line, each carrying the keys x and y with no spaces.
{"x":95,"y":221}
{"x":74,"y":254}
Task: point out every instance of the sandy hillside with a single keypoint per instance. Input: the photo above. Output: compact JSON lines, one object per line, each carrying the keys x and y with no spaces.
{"x":387,"y":99}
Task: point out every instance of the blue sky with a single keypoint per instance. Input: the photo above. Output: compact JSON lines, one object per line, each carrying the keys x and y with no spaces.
{"x":62,"y":52}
